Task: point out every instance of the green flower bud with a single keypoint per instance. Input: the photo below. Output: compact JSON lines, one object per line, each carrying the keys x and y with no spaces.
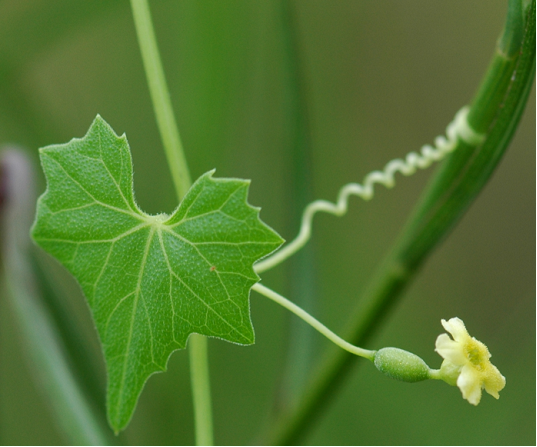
{"x":401,"y":365}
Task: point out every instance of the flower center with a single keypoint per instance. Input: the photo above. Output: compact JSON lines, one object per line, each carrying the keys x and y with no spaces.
{"x":474,"y":353}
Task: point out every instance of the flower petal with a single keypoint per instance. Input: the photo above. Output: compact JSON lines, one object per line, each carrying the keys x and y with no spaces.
{"x":450,"y":350}
{"x":493,"y":381}
{"x":455,"y":326}
{"x":469,"y":383}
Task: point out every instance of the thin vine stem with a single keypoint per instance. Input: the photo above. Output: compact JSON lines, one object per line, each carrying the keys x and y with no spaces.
{"x":313,"y":322}
{"x":160,"y":97}
{"x":201,"y":391}
{"x":169,"y":132}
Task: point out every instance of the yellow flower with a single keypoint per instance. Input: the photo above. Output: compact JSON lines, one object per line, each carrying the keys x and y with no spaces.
{"x":466,"y":363}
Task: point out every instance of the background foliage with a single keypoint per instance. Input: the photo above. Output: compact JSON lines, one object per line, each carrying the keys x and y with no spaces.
{"x":381,"y":79}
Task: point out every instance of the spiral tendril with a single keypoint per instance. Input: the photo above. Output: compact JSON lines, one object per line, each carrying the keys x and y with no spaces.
{"x":458,"y":129}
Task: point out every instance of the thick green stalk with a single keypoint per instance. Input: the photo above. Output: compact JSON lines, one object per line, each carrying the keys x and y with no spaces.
{"x":492,"y":90}
{"x":496,"y":110}
{"x":169,"y":132}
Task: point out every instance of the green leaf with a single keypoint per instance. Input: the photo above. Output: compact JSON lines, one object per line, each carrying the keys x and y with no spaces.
{"x":150,"y":281}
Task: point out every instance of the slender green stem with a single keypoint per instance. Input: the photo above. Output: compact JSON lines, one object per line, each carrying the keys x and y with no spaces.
{"x":434,"y":374}
{"x":317,"y":325}
{"x":169,"y":132}
{"x":199,"y":373}
{"x":160,"y":97}
{"x":460,"y":179}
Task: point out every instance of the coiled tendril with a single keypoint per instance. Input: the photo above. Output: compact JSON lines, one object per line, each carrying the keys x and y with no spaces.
{"x":458,"y":129}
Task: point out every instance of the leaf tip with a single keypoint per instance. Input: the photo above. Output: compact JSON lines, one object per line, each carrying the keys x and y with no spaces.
{"x":116,"y":422}
{"x":100,"y":123}
{"x":98,"y":120}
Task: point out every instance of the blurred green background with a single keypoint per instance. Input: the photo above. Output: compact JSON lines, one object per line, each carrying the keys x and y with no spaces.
{"x":378,"y":79}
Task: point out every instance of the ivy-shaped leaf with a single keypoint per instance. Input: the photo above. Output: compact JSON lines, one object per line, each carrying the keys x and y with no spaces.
{"x":150,"y":281}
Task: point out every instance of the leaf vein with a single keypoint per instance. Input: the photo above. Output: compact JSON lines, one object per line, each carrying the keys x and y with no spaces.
{"x":106,"y":205}
{"x":195,"y":294}
{"x":110,"y":174}
{"x":135,"y":305}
